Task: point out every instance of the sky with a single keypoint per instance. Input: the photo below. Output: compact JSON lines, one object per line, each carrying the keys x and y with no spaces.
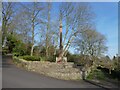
{"x":107,"y":24}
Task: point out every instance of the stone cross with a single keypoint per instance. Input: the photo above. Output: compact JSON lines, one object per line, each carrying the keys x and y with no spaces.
{"x":60,"y":58}
{"x":61,"y":46}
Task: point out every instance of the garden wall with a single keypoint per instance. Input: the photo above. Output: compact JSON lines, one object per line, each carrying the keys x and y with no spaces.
{"x":65,"y":71}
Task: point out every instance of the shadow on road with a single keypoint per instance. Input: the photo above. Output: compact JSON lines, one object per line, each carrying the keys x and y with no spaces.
{"x":6,"y":61}
{"x":99,"y":85}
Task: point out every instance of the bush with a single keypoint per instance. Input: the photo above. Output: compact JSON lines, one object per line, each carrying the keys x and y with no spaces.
{"x":51,"y":58}
{"x":31,"y":58}
{"x":16,"y":54}
{"x":43,"y":58}
{"x":72,"y":58}
{"x":114,"y":74}
{"x":20,"y":48}
{"x":83,"y":60}
{"x":97,"y":74}
{"x":5,"y":51}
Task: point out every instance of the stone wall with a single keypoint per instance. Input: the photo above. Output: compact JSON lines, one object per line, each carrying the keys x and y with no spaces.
{"x":64,"y":71}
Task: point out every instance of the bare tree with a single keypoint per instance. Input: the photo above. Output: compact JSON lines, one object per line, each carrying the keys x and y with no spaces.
{"x":91,"y":42}
{"x":48,"y":26}
{"x":7,"y":13}
{"x":21,"y":25}
{"x":33,"y":11}
{"x":75,"y":18}
{"x":49,"y":29}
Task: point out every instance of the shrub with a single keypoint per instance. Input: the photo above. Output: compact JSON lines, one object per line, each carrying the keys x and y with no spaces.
{"x":43,"y":58}
{"x":72,"y":58}
{"x":31,"y":58}
{"x":4,"y":52}
{"x":20,"y":48}
{"x":97,"y":74}
{"x":51,"y":58}
{"x":16,"y":54}
{"x":83,"y":60}
{"x":114,"y":74}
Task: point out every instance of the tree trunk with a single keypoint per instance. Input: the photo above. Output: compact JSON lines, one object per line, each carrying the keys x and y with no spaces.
{"x":33,"y":27}
{"x":48,"y":29}
{"x":32,"y":50}
{"x":46,"y":48}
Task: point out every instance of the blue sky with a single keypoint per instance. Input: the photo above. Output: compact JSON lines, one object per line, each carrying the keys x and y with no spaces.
{"x":107,"y":23}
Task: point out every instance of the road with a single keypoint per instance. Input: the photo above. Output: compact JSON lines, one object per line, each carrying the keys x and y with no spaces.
{"x":13,"y":77}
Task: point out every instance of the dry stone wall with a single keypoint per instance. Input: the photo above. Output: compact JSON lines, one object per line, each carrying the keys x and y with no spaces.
{"x":64,"y":71}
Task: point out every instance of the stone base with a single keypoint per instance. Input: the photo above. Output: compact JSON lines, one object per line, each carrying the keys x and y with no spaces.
{"x":58,"y":59}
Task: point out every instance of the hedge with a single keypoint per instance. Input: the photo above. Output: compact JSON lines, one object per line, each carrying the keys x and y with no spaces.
{"x":31,"y":58}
